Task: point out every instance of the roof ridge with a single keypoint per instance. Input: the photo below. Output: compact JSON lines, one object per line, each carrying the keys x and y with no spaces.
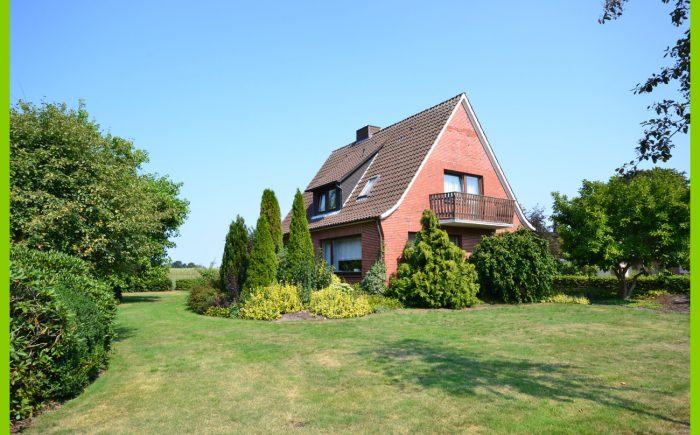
{"x":403,"y":120}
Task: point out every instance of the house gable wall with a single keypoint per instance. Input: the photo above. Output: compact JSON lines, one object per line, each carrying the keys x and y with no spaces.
{"x":458,"y":149}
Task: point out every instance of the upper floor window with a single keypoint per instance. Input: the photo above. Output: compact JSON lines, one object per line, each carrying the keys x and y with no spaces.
{"x":368,"y":187}
{"x":328,"y":200}
{"x":463,"y":183}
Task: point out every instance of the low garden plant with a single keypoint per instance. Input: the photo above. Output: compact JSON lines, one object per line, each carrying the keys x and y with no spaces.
{"x":218,"y":312}
{"x":568,"y":299}
{"x":203,"y":297}
{"x":335,"y":303}
{"x":374,"y":282}
{"x":269,"y":303}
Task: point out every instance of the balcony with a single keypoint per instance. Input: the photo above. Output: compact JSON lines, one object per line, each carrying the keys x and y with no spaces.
{"x":468,"y":210}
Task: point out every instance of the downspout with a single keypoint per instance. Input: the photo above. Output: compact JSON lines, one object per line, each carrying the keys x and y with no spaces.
{"x":381,"y":240}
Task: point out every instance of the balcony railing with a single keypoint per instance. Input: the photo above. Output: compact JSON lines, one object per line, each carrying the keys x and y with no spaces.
{"x":468,"y":208}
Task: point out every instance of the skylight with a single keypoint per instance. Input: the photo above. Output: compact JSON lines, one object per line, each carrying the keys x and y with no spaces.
{"x":368,"y":187}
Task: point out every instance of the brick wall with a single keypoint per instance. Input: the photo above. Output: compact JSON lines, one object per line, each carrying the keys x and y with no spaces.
{"x":371,"y":245}
{"x":459,"y":150}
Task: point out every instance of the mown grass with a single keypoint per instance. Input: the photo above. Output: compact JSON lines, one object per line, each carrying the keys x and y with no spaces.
{"x":525,"y":369}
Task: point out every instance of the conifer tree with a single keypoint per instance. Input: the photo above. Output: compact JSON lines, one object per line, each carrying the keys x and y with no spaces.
{"x":262,"y":266}
{"x":270,"y":208}
{"x":300,"y":249}
{"x":235,"y":259}
{"x":434,"y":272}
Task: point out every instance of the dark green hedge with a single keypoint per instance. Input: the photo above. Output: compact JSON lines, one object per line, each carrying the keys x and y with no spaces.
{"x":60,"y":328}
{"x":604,"y":286}
{"x":186,"y":284}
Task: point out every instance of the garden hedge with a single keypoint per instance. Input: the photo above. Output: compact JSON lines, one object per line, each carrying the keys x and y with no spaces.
{"x":607,"y":286}
{"x":60,"y":328}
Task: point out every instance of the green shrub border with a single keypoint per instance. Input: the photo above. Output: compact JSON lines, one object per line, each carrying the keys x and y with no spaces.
{"x":607,"y":286}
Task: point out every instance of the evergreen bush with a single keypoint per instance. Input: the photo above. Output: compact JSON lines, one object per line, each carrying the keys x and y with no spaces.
{"x":235,"y":259}
{"x":334,"y":303}
{"x":374,"y":282}
{"x":269,"y":303}
{"x":262,"y":266}
{"x":514,"y":267}
{"x":433,"y":272}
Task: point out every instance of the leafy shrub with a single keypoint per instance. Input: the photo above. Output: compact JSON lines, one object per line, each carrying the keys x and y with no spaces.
{"x":218,"y":312}
{"x":652,"y":294}
{"x":607,"y":286}
{"x":186,"y":283}
{"x":269,"y":303}
{"x":567,"y":299}
{"x":381,"y":303}
{"x":148,"y":279}
{"x":209,"y":276}
{"x":374,"y":283}
{"x":203,"y":297}
{"x":308,"y":276}
{"x":333,"y":303}
{"x":433,"y":272}
{"x":514,"y":267}
{"x":61,"y":328}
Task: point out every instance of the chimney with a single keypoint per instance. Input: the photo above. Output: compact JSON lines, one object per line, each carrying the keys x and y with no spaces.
{"x":366,"y":132}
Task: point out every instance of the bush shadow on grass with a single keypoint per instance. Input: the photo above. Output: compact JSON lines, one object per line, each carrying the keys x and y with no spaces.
{"x":130,"y":299}
{"x":121,"y":333}
{"x":464,"y":373}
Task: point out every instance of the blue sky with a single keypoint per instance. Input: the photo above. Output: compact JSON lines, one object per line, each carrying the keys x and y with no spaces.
{"x":233,"y":97}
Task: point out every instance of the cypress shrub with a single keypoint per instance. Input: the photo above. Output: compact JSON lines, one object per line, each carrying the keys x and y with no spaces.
{"x":433,"y":272}
{"x":270,"y":209}
{"x":514,"y":267}
{"x":300,"y":264}
{"x":262,"y":267}
{"x":235,"y":259}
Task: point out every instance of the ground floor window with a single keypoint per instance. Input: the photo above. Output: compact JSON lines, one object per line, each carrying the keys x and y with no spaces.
{"x":344,"y":254}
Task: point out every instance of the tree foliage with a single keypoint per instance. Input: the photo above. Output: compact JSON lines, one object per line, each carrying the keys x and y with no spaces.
{"x":270,"y":209}
{"x":672,"y":116}
{"x":77,"y":190}
{"x":433,"y":272}
{"x":235,"y":259}
{"x":514,"y":267}
{"x":262,"y":266}
{"x":628,"y":222}
{"x":544,"y":230}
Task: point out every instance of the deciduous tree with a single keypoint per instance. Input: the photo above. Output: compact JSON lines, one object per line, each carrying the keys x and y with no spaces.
{"x":628,"y":222}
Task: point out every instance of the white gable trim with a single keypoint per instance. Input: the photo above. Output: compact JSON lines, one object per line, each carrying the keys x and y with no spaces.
{"x":388,"y":213}
{"x":464,"y":102}
{"x":494,"y":161}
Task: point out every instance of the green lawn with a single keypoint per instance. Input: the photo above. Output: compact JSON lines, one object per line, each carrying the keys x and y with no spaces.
{"x":529,"y":369}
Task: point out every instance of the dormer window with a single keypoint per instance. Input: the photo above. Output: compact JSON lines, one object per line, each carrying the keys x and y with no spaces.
{"x":328,"y":200}
{"x":368,"y":187}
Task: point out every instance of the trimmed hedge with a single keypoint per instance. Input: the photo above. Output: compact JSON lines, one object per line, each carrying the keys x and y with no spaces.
{"x":607,"y":286}
{"x":60,"y":328}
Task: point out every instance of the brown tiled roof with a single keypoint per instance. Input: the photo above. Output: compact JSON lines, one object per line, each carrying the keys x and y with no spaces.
{"x":401,"y":148}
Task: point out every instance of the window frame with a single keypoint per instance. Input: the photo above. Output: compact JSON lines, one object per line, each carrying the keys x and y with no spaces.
{"x":367,"y":189}
{"x":332,"y":252}
{"x":325,"y":194}
{"x":463,"y":181}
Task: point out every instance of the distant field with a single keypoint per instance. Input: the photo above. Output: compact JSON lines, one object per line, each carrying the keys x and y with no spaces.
{"x":183,"y":273}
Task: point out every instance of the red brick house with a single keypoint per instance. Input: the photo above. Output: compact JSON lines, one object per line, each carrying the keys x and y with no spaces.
{"x":373,"y":191}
